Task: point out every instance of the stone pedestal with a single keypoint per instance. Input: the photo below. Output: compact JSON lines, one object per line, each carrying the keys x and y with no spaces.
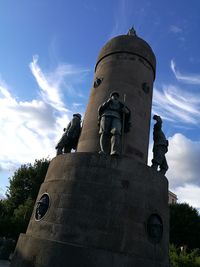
{"x":99,"y":216}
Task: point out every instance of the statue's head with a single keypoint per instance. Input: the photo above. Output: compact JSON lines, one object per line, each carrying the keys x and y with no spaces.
{"x":77,"y":115}
{"x":156,"y":117}
{"x":114,"y":95}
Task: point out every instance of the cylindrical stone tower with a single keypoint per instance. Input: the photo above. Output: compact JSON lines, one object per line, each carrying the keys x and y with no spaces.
{"x":125,"y":64}
{"x":104,"y":211}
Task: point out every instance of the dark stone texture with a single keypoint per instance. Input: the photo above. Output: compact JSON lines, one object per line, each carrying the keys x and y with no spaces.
{"x":99,"y":207}
{"x":73,"y":255}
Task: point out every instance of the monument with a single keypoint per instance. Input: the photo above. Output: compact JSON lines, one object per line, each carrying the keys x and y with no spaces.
{"x":99,"y":210}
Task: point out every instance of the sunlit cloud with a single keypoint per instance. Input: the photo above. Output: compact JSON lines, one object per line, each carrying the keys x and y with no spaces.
{"x":30,"y":129}
{"x":189,"y":193}
{"x":26,"y":128}
{"x":186,"y":78}
{"x":54,"y":84}
{"x":184,"y":168}
{"x":183,"y":159}
{"x":175,"y":104}
{"x":50,"y":92}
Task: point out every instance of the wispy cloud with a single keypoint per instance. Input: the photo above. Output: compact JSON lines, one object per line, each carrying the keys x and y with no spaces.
{"x":175,"y":29}
{"x":51,"y":83}
{"x":50,"y":92}
{"x":175,"y":104}
{"x":30,"y":129}
{"x":121,"y":15}
{"x":183,"y":158}
{"x":186,"y":78}
{"x":26,"y":128}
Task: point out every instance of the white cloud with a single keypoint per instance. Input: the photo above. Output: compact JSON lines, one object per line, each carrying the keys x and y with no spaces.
{"x":175,"y":29}
{"x":189,"y":193}
{"x":183,"y":159}
{"x":175,"y":104}
{"x":184,"y":168}
{"x":186,"y":78}
{"x":30,"y":129}
{"x":26,"y":128}
{"x":50,"y":91}
{"x":64,"y":76}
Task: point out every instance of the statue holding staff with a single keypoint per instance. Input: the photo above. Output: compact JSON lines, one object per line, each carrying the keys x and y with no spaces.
{"x":113,"y":116}
{"x":160,"y":146}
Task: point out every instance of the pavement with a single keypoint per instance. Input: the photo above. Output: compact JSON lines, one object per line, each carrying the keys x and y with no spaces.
{"x":4,"y":263}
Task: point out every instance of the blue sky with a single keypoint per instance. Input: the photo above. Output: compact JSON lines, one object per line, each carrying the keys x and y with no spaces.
{"x":48,"y":51}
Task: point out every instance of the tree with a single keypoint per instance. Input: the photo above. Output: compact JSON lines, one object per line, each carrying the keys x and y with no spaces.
{"x":16,"y":209}
{"x":184,"y":226}
{"x":180,"y":258}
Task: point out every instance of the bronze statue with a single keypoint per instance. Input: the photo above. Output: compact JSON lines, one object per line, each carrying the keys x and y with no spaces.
{"x":160,"y":146}
{"x":114,"y":119}
{"x":69,"y":140}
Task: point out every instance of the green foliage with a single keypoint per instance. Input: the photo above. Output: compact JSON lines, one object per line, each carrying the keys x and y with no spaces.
{"x":22,"y":215}
{"x":26,"y":182}
{"x":180,"y":258}
{"x":16,"y":209}
{"x":184,"y":226}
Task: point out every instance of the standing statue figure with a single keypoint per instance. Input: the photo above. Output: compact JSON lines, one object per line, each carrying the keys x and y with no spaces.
{"x":114,"y":120}
{"x":160,"y":146}
{"x":69,"y":140}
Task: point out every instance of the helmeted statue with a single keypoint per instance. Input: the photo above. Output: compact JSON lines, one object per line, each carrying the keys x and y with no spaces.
{"x":113,"y":116}
{"x":69,"y":140}
{"x":160,"y":146}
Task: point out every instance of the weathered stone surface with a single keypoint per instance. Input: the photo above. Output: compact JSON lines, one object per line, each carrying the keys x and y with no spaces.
{"x":125,"y":63}
{"x":73,"y":255}
{"x":99,"y":207}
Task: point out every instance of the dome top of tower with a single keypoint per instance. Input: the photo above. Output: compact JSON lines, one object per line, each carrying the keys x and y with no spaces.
{"x":131,"y":44}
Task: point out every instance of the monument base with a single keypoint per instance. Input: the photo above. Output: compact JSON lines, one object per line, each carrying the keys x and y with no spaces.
{"x":104,"y":212}
{"x":47,"y":253}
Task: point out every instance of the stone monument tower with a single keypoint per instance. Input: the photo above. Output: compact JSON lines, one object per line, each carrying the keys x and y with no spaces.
{"x":96,"y":210}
